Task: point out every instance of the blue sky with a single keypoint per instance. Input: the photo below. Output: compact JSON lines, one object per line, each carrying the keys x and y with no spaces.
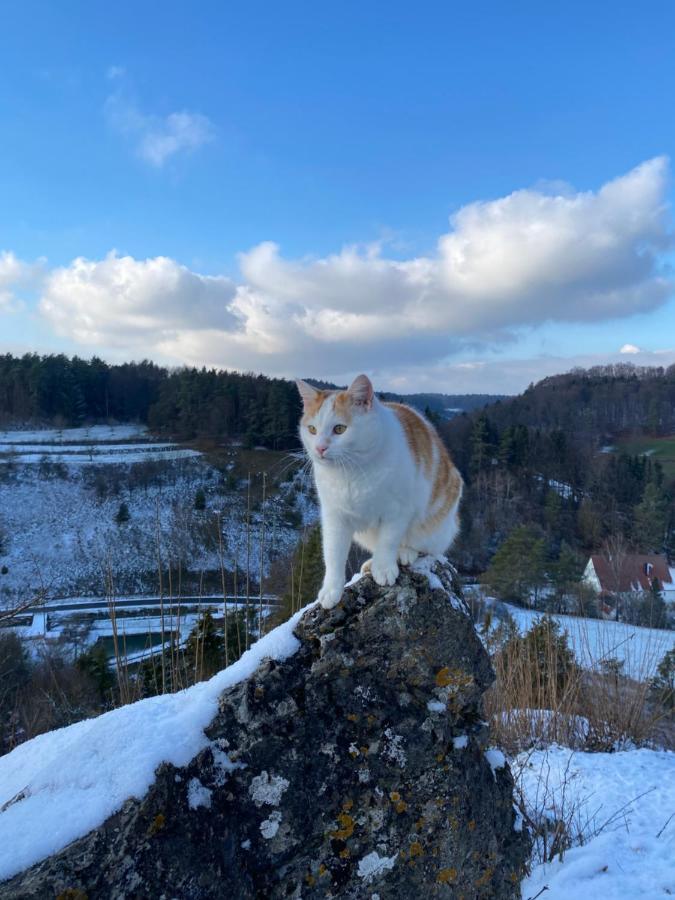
{"x":190,"y":138}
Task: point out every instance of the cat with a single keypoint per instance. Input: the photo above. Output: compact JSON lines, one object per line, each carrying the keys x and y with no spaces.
{"x":384,"y":479}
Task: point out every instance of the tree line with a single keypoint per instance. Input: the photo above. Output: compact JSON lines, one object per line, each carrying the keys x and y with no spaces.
{"x":185,"y":403}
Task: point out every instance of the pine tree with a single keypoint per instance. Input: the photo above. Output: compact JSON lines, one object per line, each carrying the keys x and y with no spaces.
{"x":122,"y":515}
{"x":200,"y":500}
{"x":518,"y":568}
{"x":651,"y":518}
{"x":663,"y":683}
{"x":205,"y":648}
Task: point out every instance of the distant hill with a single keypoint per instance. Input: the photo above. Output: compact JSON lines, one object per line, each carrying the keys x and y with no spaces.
{"x":595,"y":404}
{"x":444,"y":405}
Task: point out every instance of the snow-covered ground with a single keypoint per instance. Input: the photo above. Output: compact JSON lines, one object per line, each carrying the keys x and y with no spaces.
{"x":595,"y":640}
{"x":92,"y":434}
{"x":628,"y":797}
{"x":58,"y":529}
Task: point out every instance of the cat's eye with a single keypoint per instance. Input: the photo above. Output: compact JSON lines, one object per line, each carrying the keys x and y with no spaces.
{"x":340,"y":429}
{"x":311,"y":429}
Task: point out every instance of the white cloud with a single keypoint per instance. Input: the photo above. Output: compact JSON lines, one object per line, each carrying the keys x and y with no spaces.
{"x":16,"y":274}
{"x":156,"y":138}
{"x":120,"y":301}
{"x":521,"y":260}
{"x":629,"y":348}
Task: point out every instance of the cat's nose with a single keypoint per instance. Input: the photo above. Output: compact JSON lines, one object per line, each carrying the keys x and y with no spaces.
{"x":321,"y":449}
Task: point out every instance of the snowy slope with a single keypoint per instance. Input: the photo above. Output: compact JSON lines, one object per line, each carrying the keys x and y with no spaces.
{"x":593,"y":640}
{"x":60,"y":492}
{"x":60,"y":785}
{"x":634,"y":793}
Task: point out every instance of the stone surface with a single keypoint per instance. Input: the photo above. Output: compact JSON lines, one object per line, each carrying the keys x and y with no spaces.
{"x":357,"y":768}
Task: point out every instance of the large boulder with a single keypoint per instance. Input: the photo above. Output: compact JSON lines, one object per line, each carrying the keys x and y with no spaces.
{"x":358,"y":768}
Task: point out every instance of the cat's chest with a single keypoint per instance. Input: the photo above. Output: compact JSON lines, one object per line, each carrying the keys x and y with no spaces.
{"x":356,"y":496}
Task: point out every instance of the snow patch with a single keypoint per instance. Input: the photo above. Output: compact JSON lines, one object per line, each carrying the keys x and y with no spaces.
{"x":496,"y":759}
{"x":436,"y":706}
{"x":460,"y":742}
{"x":198,"y":794}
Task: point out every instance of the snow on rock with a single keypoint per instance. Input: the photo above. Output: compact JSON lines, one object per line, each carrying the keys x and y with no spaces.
{"x":198,"y":794}
{"x":629,"y":798}
{"x":496,"y":759}
{"x":61,"y":785}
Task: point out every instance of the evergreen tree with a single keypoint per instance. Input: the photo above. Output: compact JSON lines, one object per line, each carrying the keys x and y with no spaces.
{"x":518,"y":568}
{"x":651,"y":517}
{"x":122,"y":515}
{"x":663,"y":683}
{"x":94,"y":662}
{"x":200,"y":500}
{"x":205,"y":648}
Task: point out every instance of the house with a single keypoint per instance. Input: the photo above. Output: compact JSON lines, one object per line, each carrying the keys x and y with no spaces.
{"x":629,"y":573}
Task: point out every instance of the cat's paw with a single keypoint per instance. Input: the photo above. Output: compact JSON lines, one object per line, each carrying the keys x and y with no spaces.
{"x":384,"y":573}
{"x":365,"y":568}
{"x":330,"y":596}
{"x":407,"y":556}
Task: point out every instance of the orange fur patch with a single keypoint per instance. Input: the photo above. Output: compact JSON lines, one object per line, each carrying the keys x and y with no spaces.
{"x":313,"y":406}
{"x":425,"y":446}
{"x":418,"y":434}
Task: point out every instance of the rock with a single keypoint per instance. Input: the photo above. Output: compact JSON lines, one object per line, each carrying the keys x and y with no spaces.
{"x":357,"y":768}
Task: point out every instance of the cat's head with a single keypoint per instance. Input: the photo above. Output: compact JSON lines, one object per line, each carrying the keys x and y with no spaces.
{"x":337,"y":424}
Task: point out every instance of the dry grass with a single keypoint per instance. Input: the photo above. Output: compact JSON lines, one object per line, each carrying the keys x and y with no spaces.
{"x":540,"y":698}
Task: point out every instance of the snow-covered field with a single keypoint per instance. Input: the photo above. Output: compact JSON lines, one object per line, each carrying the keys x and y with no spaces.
{"x":622,"y":807}
{"x":60,"y":493}
{"x":595,"y":640}
{"x":92,"y":434}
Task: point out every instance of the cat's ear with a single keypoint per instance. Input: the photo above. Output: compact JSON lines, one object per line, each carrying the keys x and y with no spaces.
{"x":361,"y":391}
{"x":307,"y":392}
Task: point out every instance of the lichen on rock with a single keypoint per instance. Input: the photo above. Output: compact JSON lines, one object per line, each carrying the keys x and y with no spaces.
{"x":360,"y":765}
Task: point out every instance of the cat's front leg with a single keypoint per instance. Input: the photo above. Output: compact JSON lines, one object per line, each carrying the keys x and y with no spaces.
{"x":384,"y":564}
{"x":337,"y":539}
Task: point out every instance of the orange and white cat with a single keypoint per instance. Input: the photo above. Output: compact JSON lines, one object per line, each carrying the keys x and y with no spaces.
{"x":384,"y":479}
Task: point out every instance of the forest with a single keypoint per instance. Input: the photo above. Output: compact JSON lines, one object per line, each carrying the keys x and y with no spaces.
{"x":551,"y":460}
{"x":185,"y":403}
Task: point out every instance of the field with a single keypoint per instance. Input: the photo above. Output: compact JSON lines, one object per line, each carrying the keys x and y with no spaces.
{"x":183,"y":508}
{"x":662,"y":448}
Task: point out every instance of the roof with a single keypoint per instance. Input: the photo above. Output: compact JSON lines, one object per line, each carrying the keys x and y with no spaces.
{"x":632,"y":575}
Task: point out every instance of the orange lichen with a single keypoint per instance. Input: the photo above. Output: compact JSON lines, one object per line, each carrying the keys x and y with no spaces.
{"x":447,"y":876}
{"x":347,"y":828}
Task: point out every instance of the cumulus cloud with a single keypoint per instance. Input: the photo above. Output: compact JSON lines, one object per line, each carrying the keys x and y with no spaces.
{"x":629,"y":348}
{"x":521,"y":260}
{"x":120,"y":301}
{"x":156,"y":138}
{"x":15,"y":275}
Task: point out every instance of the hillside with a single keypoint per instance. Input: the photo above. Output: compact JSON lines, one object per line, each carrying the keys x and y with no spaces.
{"x":578,"y":458}
{"x":84,"y":509}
